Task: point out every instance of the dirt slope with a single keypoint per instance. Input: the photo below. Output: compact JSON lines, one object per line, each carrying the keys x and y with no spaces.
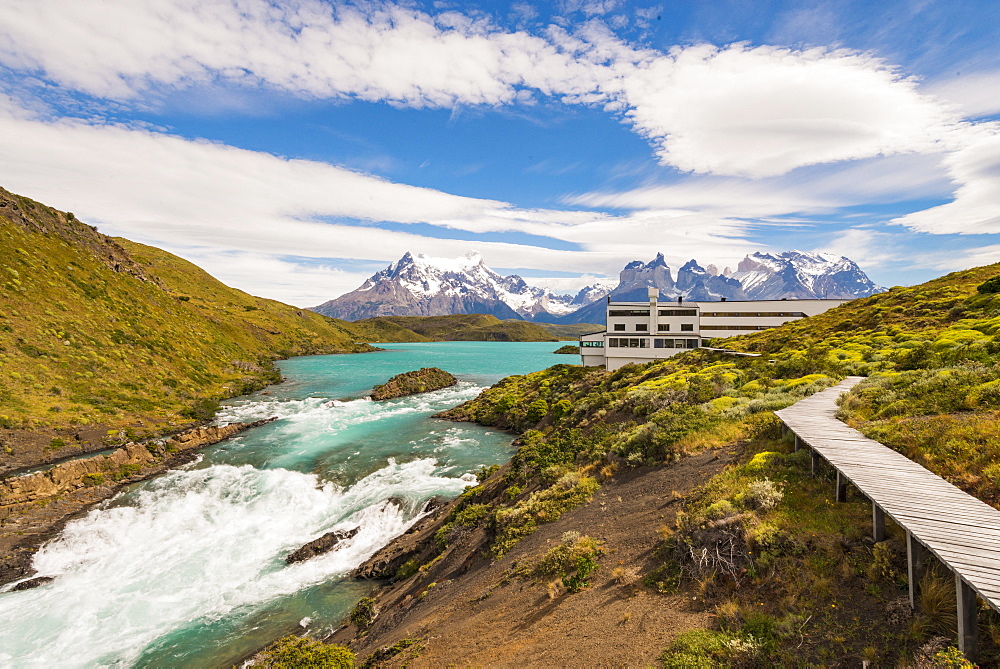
{"x":479,"y":613}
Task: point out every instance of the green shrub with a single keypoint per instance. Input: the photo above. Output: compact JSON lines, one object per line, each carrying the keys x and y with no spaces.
{"x":294,"y":652}
{"x":407,"y":569}
{"x":544,"y":506}
{"x":92,"y":480}
{"x":364,"y":613}
{"x":201,"y":409}
{"x":537,"y":411}
{"x":989,"y":286}
{"x":56,"y":444}
{"x":710,"y":649}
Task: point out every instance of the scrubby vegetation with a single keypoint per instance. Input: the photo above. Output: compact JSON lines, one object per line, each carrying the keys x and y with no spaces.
{"x":568,"y":349}
{"x":295,"y":652}
{"x":791,"y":576}
{"x":411,"y":383}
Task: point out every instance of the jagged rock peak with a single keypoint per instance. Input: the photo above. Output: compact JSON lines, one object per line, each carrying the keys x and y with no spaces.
{"x":692,"y":266}
{"x":421,"y":285}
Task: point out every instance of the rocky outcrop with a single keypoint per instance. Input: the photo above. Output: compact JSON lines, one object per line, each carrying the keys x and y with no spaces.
{"x":324,"y":544}
{"x":32,"y":583}
{"x":418,"y":539}
{"x":123,"y":463}
{"x":411,"y":383}
{"x":568,"y":349}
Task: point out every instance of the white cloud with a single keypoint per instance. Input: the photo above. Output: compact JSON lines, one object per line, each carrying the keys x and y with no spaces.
{"x":975,"y":94}
{"x":985,"y":255}
{"x":120,"y":49}
{"x":804,"y":191}
{"x":207,"y":199}
{"x":865,"y":246}
{"x":976,"y":205}
{"x":303,"y":284}
{"x":765,"y":111}
{"x":733,"y":110}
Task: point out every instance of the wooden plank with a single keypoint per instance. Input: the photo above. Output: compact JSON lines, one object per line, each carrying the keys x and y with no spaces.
{"x":932,"y":513}
{"x":946,"y":532}
{"x":947,"y":504}
{"x":960,"y":530}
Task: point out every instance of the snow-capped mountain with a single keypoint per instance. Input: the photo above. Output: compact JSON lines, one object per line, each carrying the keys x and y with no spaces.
{"x":760,"y":276}
{"x":795,"y":274}
{"x":595,"y":291}
{"x":418,"y":285}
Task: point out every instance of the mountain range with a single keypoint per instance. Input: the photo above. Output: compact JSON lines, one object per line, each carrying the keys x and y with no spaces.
{"x":418,"y":285}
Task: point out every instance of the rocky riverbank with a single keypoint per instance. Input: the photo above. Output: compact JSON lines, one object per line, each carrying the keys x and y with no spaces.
{"x":35,"y":506}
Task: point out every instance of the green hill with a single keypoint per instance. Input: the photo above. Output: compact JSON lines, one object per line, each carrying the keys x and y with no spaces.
{"x":790,"y":577}
{"x":462,"y":327}
{"x":100,"y":335}
{"x":572,"y":331}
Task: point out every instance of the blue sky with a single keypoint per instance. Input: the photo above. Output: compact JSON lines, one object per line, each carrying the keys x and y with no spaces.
{"x":293,"y":148}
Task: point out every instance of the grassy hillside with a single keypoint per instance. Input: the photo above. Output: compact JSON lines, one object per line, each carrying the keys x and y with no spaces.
{"x":115,"y":335}
{"x":462,"y":327}
{"x":791,"y":578}
{"x":573,"y":330}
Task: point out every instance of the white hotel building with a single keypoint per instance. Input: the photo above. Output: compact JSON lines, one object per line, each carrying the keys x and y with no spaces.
{"x":642,"y":332}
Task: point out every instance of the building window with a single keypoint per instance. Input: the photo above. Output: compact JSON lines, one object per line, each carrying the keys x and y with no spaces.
{"x":692,"y":343}
{"x":678,"y":312}
{"x":687,"y":327}
{"x":619,"y":327}
{"x":628,"y":312}
{"x":663,"y":327}
{"x":613,"y":342}
{"x":592,"y":344}
{"x":641,"y":327}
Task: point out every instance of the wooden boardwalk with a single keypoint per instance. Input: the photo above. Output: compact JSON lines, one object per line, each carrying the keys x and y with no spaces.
{"x":958,"y":529}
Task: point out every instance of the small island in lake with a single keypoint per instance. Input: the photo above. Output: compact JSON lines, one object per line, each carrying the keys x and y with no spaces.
{"x":410,"y":383}
{"x":569,"y":349}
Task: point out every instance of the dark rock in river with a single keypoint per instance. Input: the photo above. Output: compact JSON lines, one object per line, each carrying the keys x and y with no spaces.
{"x":411,"y":383}
{"x":33,"y":582}
{"x":324,"y":544}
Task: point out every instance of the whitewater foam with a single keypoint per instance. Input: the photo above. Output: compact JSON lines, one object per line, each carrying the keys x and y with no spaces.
{"x":199,"y":545}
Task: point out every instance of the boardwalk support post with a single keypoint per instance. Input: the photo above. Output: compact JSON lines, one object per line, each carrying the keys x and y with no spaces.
{"x":798,"y":442}
{"x":841,"y":487}
{"x":916,"y":564}
{"x":968,"y":634}
{"x":878,"y":523}
{"x":815,"y":462}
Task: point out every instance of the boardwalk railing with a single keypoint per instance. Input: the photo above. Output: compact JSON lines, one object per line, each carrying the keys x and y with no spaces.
{"x":960,"y":530}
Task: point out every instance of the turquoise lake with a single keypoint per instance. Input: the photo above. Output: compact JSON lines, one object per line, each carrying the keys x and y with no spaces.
{"x":188,"y":569}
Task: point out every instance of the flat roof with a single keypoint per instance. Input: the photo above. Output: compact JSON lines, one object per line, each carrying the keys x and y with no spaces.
{"x":660,"y":303}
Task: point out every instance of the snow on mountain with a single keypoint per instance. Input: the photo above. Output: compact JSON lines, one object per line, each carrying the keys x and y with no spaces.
{"x":595,"y":291}
{"x":760,"y":276}
{"x":803,"y":275}
{"x":419,"y":285}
